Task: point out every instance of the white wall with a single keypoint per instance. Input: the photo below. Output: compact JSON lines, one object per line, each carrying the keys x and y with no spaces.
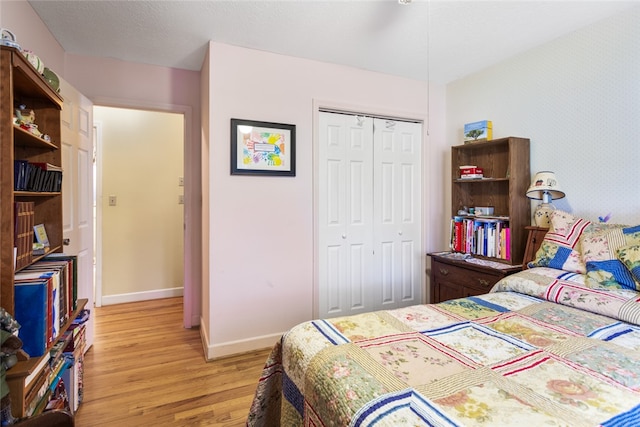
{"x":261,"y":228}
{"x":141,"y":159}
{"x":578,"y":99}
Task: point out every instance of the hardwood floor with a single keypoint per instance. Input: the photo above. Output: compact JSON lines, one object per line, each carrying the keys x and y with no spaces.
{"x":145,"y":369}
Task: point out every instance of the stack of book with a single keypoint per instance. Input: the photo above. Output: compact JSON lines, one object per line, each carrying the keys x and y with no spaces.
{"x":23,"y":233}
{"x":481,"y":236}
{"x":36,"y":176}
{"x":45,"y":296}
{"x":74,"y":352}
{"x":60,"y":369}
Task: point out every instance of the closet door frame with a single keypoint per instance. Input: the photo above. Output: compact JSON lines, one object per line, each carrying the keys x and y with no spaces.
{"x":333,"y":107}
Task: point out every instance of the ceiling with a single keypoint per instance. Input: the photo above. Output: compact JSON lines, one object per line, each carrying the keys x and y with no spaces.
{"x":461,"y":37}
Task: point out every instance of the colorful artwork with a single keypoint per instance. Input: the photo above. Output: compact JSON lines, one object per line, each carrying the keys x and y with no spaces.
{"x":262,"y":148}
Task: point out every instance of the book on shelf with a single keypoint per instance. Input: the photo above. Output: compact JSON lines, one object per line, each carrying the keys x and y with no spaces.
{"x":45,"y":298}
{"x":36,"y":395}
{"x":488,"y":237}
{"x":31,"y":301}
{"x":24,"y":214}
{"x":36,"y":176}
{"x":74,"y":352}
{"x":72,"y":263}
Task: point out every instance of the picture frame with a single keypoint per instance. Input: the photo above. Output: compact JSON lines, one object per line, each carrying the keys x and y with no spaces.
{"x":262,"y":148}
{"x":40,"y":234}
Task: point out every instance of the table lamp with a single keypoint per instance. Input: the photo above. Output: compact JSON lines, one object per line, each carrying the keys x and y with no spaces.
{"x":544,"y":187}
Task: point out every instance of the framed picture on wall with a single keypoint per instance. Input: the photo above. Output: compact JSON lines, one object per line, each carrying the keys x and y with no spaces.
{"x":262,"y":148}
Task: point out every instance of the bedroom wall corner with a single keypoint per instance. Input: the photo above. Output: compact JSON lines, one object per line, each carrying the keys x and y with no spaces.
{"x":578,"y":99}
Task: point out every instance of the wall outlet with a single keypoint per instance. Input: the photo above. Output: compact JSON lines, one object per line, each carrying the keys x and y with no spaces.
{"x":181,"y":199}
{"x":112,"y":200}
{"x":180,"y":181}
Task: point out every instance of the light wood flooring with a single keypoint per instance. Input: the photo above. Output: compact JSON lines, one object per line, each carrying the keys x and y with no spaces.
{"x":145,"y":369}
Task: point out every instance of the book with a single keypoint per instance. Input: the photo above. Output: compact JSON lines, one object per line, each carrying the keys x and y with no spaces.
{"x":47,"y":177}
{"x":31,"y":311}
{"x":20,"y":175}
{"x":73,"y":275}
{"x":62,"y":269}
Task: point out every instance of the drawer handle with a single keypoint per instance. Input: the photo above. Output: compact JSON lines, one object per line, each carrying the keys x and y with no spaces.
{"x":444,"y":271}
{"x":483,"y":282}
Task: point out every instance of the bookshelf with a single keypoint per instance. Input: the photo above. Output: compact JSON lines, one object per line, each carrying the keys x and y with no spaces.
{"x":20,"y":83}
{"x":505,"y":162}
{"x":506,"y":177}
{"x":22,"y":378}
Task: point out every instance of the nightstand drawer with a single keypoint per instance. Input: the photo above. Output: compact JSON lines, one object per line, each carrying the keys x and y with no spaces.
{"x":464,"y":277}
{"x":454,"y":278}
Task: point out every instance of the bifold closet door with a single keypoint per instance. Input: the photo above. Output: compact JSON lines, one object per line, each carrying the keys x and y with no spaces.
{"x":345,"y":216}
{"x":369,"y":214}
{"x":397,"y":213}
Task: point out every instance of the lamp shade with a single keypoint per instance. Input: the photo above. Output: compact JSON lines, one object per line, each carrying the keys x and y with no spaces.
{"x":545,"y":182}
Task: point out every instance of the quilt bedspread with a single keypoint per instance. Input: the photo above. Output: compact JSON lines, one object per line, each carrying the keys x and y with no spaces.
{"x":541,"y":348}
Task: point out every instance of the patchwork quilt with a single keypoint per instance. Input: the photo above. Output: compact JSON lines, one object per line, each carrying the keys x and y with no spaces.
{"x":543,"y":348}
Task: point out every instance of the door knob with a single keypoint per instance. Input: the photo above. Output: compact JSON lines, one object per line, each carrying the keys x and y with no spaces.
{"x":66,"y":242}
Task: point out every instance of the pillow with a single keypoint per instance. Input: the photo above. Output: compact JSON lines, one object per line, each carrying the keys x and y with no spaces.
{"x":600,"y":254}
{"x":560,"y":248}
{"x":630,"y":257}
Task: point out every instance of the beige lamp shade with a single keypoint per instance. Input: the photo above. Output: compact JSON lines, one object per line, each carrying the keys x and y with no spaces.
{"x":545,"y":185}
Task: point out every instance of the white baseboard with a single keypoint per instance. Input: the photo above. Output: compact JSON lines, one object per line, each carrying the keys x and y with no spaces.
{"x":230,"y":348}
{"x":142,"y":296}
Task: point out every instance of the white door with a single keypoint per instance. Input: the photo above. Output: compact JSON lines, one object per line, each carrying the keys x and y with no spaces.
{"x":369,"y":214}
{"x":397,"y":263}
{"x":77,"y":191}
{"x":345,"y":216}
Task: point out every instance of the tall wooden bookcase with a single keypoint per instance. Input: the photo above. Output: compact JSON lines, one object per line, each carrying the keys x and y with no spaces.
{"x":505,"y":163}
{"x":507,"y":176}
{"x":20,"y":83}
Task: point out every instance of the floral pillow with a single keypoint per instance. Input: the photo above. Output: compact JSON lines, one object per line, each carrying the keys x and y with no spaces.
{"x":560,"y":248}
{"x":600,"y":254}
{"x":630,"y":257}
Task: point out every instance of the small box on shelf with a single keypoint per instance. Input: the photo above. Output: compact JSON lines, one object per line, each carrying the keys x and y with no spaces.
{"x":471,"y":172}
{"x":478,"y":131}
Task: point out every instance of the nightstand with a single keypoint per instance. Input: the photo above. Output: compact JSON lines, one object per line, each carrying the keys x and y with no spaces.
{"x":453,"y":277}
{"x":534,"y":240}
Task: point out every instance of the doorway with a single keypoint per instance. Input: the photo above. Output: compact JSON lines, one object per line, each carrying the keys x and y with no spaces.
{"x":139,"y":204}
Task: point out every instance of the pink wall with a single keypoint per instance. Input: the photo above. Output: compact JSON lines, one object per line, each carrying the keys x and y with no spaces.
{"x":117,"y":83}
{"x":258,"y":232}
{"x":124,"y":84}
{"x":261,"y":236}
{"x":19,"y":17}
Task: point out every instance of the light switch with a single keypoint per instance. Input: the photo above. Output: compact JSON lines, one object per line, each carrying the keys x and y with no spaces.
{"x":181,"y":199}
{"x":180,"y":181}
{"x":112,"y":200}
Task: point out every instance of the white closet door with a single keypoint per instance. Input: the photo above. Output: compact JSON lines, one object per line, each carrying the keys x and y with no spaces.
{"x":345,"y":217}
{"x":397,"y":263}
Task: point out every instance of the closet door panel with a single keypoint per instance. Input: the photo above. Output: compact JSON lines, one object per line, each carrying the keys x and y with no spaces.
{"x":345,"y":215}
{"x":369,"y":213}
{"x":397,"y":212}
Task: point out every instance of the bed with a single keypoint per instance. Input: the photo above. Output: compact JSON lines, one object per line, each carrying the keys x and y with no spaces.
{"x":557,"y":344}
